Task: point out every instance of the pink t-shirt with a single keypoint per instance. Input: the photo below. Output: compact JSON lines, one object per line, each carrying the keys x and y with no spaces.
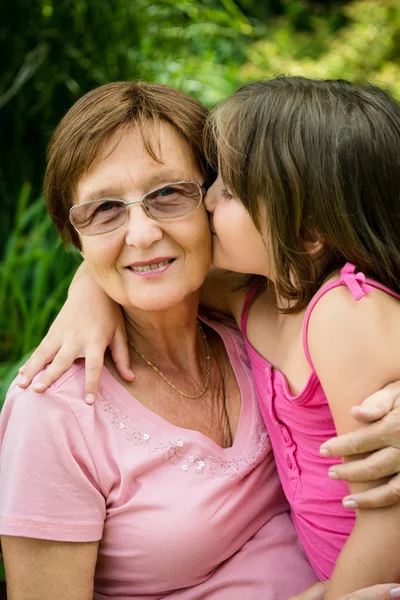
{"x":176,"y":514}
{"x":297,"y":426}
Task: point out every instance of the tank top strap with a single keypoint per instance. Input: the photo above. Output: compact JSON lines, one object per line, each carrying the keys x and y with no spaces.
{"x":246,"y":307}
{"x":355,"y":282}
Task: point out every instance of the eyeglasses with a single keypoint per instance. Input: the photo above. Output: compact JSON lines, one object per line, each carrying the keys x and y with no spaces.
{"x":171,"y":201}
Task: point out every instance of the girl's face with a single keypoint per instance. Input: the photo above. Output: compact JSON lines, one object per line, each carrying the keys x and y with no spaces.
{"x":237,"y":245}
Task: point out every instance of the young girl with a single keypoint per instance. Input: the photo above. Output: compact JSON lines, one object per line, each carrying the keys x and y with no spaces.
{"x":308,"y":203}
{"x":309,"y":187}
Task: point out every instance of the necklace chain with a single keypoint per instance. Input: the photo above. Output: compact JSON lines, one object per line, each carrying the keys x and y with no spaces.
{"x":182,"y":393}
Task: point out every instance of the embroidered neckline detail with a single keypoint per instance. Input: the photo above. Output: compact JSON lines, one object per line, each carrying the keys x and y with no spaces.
{"x":174,"y":451}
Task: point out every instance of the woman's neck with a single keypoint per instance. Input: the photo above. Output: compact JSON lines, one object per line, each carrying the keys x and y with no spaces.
{"x":169,"y":337}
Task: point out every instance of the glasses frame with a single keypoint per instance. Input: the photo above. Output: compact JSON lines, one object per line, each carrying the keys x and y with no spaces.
{"x":201,"y":188}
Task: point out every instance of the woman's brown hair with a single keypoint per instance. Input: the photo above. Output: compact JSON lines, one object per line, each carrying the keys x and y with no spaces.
{"x":316,"y":158}
{"x":95,"y":118}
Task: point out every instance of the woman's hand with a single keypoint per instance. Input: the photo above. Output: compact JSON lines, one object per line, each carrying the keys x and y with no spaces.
{"x":380,"y":436}
{"x":88,"y":323}
{"x":385,"y":591}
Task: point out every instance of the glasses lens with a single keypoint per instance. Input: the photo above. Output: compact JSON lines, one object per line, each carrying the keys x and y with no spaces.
{"x":173,"y":200}
{"x":98,"y":216}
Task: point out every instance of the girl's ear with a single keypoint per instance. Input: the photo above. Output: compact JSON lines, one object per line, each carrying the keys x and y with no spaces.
{"x":313,"y":242}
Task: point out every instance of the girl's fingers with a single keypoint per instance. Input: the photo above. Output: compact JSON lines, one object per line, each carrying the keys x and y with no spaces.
{"x":378,"y":465}
{"x":43,"y":355}
{"x":379,"y":497}
{"x":120,"y":354}
{"x":93,"y":366}
{"x":60,"y":363}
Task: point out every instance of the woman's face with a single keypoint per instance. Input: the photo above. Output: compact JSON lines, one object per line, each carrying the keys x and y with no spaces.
{"x":125,"y":170}
{"x":237,"y":245}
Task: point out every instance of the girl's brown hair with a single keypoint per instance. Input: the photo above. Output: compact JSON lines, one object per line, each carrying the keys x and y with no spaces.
{"x":316,"y":158}
{"x":95,"y":118}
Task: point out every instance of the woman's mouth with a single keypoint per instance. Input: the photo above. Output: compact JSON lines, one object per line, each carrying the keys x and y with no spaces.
{"x":151,"y":268}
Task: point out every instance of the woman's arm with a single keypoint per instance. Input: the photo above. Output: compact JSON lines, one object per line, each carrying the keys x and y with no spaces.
{"x":379,"y":436}
{"x":353,"y":348}
{"x":45,"y":570}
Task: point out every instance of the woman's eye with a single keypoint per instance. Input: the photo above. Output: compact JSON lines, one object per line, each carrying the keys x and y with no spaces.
{"x":167,"y":191}
{"x":105,"y":206}
{"x":226,"y":194}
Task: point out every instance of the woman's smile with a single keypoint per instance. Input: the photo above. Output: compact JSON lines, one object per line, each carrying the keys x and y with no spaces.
{"x":151,"y":268}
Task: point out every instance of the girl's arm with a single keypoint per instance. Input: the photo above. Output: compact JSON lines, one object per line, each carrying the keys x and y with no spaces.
{"x":376,"y":592}
{"x":88,"y":323}
{"x":353,"y":346}
{"x":44,"y":570}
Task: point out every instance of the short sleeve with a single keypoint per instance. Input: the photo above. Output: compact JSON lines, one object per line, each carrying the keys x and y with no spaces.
{"x":48,"y":480}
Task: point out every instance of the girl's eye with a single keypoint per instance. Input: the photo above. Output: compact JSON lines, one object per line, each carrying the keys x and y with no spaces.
{"x":226,"y":194}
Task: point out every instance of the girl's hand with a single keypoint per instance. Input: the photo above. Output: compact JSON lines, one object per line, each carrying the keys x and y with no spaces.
{"x":380,"y":435}
{"x":88,"y":323}
{"x":385,"y":591}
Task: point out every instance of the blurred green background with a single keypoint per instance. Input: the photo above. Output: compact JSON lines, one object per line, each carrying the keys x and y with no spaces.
{"x":53,"y":51}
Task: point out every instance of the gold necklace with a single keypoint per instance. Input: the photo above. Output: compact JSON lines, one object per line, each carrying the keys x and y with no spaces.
{"x":208,"y":368}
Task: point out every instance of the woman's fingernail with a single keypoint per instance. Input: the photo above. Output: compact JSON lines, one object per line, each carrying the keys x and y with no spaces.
{"x":395,"y":592}
{"x":23,"y":381}
{"x":350,"y":503}
{"x":38,"y":386}
{"x":89,"y":399}
{"x":333,"y":475}
{"x":324,"y":452}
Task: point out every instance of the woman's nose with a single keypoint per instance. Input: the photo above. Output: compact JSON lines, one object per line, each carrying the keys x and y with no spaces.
{"x":141,"y":230}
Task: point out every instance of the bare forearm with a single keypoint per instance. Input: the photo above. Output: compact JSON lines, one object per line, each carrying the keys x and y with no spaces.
{"x":370,"y":555}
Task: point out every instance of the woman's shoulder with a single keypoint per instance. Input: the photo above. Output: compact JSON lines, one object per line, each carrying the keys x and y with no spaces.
{"x":55,"y":405}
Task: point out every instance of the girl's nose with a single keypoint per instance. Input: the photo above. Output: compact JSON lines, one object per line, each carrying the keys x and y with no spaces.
{"x":209,"y":199}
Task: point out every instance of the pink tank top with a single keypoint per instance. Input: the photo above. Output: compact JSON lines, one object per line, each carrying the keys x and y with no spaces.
{"x":297,"y":426}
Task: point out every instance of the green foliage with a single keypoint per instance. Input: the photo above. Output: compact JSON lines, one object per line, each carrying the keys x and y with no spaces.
{"x":365,"y":48}
{"x":34,"y":278}
{"x":53,"y":51}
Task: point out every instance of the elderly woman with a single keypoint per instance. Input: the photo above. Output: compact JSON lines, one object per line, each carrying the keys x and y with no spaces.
{"x":168,"y":486}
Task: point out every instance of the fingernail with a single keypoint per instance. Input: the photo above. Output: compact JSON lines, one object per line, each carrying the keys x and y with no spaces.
{"x":333,"y":475}
{"x":395,"y":592}
{"x":38,"y":386}
{"x":324,"y":452}
{"x":89,"y":399}
{"x":349,"y":503}
{"x":23,"y":381}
